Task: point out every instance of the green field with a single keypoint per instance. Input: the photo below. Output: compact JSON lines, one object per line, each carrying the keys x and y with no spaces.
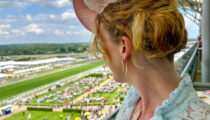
{"x":113,"y":97}
{"x":20,"y":87}
{"x":40,"y":115}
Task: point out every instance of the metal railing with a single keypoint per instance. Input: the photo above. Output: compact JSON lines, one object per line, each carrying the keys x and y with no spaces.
{"x":190,"y":62}
{"x":203,"y":85}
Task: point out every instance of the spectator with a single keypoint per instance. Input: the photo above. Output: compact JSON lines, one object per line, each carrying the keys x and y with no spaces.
{"x":200,"y":43}
{"x":29,"y":116}
{"x":68,"y":117}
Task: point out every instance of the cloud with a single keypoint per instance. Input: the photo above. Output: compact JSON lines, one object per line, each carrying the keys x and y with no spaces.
{"x":4,"y":32}
{"x":41,"y":17}
{"x":44,"y":3}
{"x":68,"y":15}
{"x":81,"y":32}
{"x":18,"y":32}
{"x":68,"y":33}
{"x":73,"y":27}
{"x":5,"y":26}
{"x":52,"y":16}
{"x":54,"y":26}
{"x":28,"y":18}
{"x":6,"y":4}
{"x":34,"y":28}
{"x":13,"y":3}
{"x":55,"y":3}
{"x":59,"y":33}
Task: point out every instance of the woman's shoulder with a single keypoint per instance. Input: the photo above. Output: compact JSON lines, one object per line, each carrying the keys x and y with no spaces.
{"x":183,"y":104}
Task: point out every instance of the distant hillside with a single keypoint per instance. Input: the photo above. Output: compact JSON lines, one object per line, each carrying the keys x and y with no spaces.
{"x":35,"y":49}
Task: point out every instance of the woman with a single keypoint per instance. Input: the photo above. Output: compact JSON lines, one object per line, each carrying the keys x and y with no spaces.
{"x":138,"y":39}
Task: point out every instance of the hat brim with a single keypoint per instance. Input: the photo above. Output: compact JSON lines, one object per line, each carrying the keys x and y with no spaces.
{"x":86,"y":16}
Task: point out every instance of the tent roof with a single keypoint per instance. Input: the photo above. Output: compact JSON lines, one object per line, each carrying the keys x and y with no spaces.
{"x":192,"y":9}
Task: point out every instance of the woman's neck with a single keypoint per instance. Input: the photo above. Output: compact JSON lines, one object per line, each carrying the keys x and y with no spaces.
{"x":154,"y":83}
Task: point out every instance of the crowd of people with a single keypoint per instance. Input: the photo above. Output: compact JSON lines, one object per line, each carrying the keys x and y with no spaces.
{"x":109,"y":87}
{"x":70,"y":92}
{"x":65,"y":96}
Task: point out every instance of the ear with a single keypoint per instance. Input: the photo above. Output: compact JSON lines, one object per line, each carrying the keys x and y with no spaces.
{"x":125,"y":47}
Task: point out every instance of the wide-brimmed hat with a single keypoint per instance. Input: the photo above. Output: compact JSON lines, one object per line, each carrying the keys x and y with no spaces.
{"x":87,"y":11}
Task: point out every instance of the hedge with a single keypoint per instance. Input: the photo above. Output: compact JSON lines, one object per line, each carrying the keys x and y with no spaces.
{"x":39,"y":109}
{"x":109,"y":74}
{"x":95,"y":75}
{"x":121,"y":98}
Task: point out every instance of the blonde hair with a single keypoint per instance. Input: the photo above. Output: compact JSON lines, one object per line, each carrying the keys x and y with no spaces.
{"x":155,"y":27}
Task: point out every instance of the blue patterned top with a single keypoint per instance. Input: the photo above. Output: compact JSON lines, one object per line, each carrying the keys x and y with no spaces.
{"x":183,"y":104}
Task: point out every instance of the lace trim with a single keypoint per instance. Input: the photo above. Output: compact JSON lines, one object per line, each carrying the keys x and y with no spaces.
{"x":197,"y":111}
{"x":183,"y":93}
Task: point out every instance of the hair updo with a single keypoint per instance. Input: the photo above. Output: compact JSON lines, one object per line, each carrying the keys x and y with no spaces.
{"x":155,"y":27}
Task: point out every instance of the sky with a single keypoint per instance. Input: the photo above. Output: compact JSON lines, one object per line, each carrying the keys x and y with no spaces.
{"x":48,"y":21}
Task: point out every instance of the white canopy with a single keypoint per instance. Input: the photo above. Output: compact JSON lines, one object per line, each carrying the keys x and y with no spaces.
{"x":38,"y":62}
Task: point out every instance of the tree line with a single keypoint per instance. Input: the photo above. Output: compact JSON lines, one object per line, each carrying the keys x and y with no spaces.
{"x":35,"y":49}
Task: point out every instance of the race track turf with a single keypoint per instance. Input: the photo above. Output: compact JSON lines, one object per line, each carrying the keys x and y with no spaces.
{"x":23,"y":86}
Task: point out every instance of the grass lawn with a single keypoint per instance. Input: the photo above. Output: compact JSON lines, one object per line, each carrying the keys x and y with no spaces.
{"x":23,"y":86}
{"x":40,"y":115}
{"x":111,"y":97}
